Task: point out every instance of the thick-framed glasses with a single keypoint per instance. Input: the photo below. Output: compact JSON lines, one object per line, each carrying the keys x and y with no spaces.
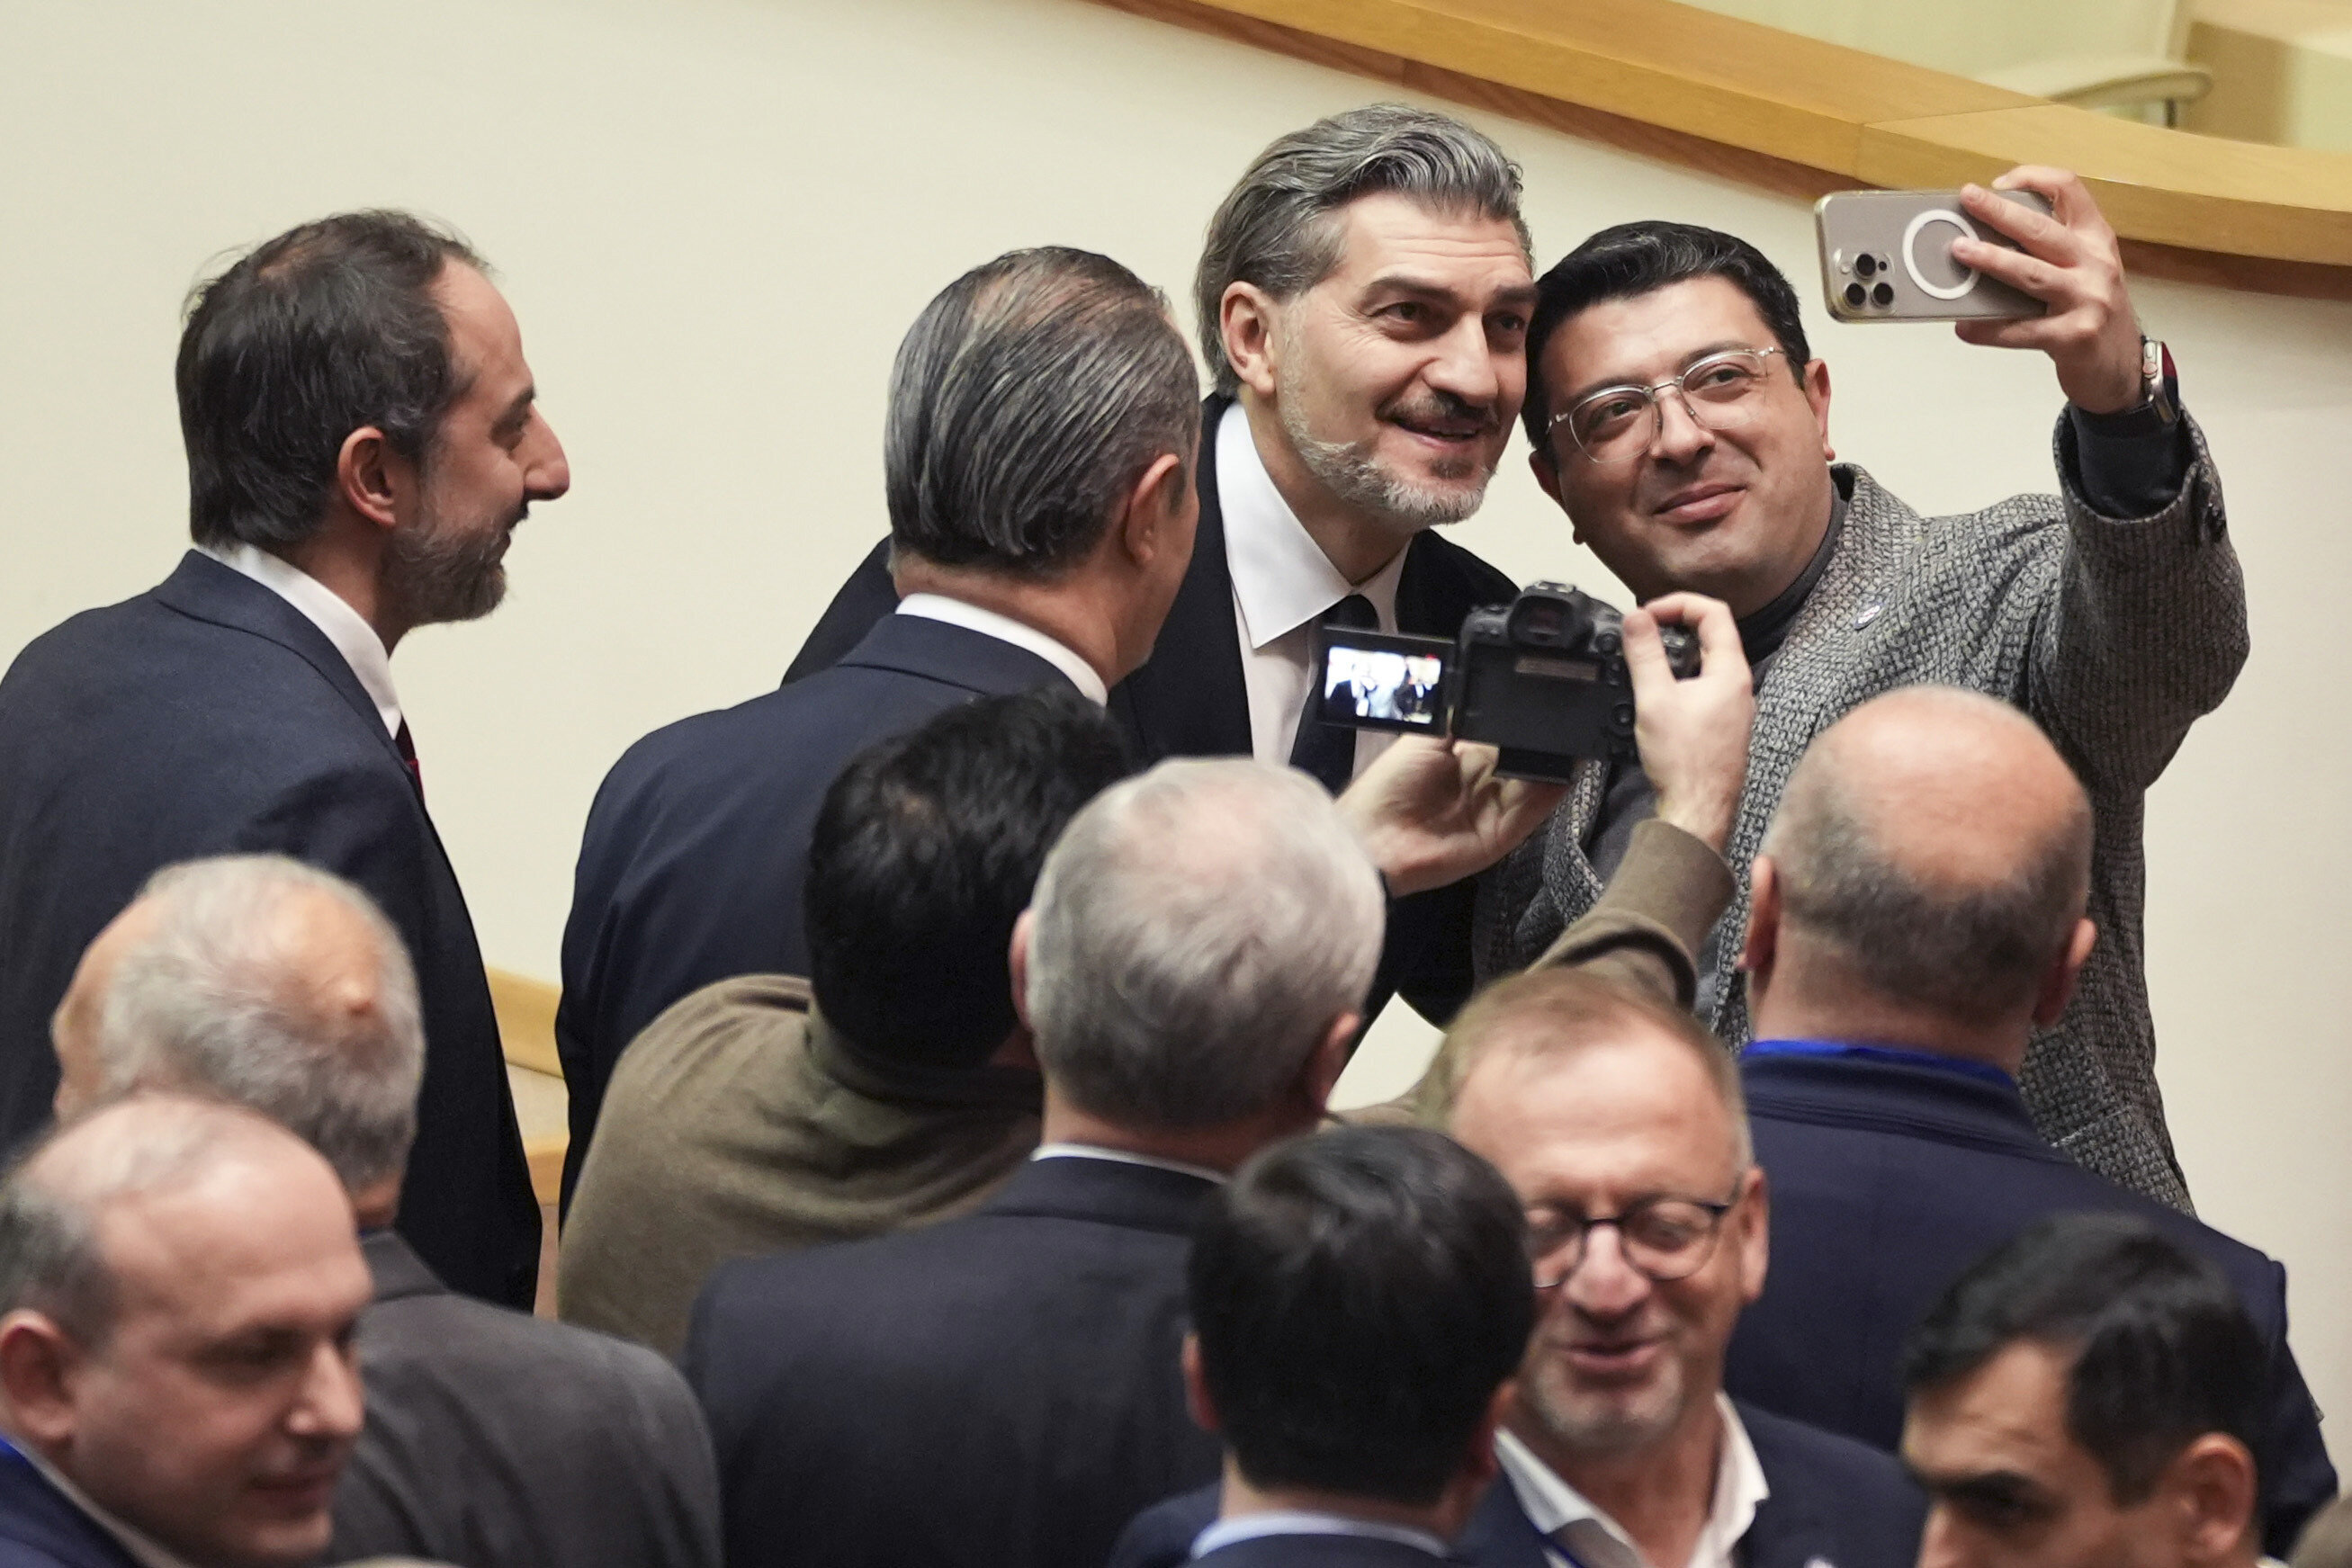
{"x":1618,"y":424}
{"x":1665,"y":1238}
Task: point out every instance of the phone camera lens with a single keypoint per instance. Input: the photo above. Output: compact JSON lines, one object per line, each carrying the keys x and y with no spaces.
{"x":1883,"y":294}
{"x":1856,"y":295}
{"x":1866,"y":264}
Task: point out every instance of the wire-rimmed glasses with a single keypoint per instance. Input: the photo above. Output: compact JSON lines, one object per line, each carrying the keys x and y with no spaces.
{"x":1664,"y":1238}
{"x":1618,"y":424}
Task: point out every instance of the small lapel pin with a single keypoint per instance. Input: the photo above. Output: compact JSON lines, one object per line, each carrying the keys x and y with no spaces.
{"x":1869,"y":613}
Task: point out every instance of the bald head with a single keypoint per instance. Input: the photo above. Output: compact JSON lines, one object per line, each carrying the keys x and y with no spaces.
{"x":264,"y":982}
{"x":1933,"y":850}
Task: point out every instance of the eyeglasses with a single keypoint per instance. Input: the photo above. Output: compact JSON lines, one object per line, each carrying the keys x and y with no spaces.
{"x":1664,"y":1239}
{"x":1618,"y":424}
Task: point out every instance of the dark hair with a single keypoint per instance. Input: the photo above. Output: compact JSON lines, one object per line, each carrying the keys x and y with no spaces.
{"x":1026,"y":399}
{"x":1633,"y":259}
{"x":329,"y":328}
{"x":1278,"y":229}
{"x":1360,"y":1295}
{"x":924,"y":854}
{"x":2164,"y":1352}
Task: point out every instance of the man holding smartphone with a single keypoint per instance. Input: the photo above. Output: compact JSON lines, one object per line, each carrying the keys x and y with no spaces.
{"x":1680,"y":421}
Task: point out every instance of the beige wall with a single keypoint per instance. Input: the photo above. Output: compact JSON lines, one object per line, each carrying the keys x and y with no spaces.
{"x":715,"y":219}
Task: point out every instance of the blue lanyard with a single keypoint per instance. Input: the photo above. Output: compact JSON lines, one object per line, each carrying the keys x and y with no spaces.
{"x":1984,"y":1073}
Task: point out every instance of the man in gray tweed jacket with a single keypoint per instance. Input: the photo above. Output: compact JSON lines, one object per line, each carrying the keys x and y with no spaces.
{"x":2112,"y":612}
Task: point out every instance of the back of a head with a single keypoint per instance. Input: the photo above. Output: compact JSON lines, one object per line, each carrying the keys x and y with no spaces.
{"x":1629,"y":260}
{"x":2163,"y":1350}
{"x":925,"y":851}
{"x":324,"y":329}
{"x":277,"y":986}
{"x":1935,"y":846}
{"x":1360,"y":1295}
{"x":1195,"y":935}
{"x":1279,"y":227}
{"x":1028,"y":398}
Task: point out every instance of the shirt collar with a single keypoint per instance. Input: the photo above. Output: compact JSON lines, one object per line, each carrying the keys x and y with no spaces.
{"x":1553,"y":1505}
{"x":1935,"y":1062}
{"x":142,"y":1548}
{"x":323,"y":607}
{"x":1300,"y":1521}
{"x":1004,"y":629}
{"x":1281,"y":578}
{"x":1124,"y":1157}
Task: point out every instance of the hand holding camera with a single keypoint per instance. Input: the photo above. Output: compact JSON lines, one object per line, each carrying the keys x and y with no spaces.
{"x":1433,"y":810}
{"x":1692,"y":733}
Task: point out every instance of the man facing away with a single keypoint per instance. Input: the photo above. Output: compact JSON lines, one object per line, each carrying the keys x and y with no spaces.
{"x":2087,"y":1394}
{"x":893,"y":1087}
{"x":1678,"y":418}
{"x":179,"y":1292}
{"x":1038,"y":463}
{"x":1918,"y":913}
{"x":1362,"y":300}
{"x":1358,"y":1298}
{"x":362,"y":440}
{"x":492,"y":1440}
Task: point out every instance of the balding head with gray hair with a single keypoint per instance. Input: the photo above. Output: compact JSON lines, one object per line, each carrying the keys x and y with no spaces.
{"x":1932,"y":850}
{"x":1193,"y":938}
{"x":1279,"y":228}
{"x":264,"y":982}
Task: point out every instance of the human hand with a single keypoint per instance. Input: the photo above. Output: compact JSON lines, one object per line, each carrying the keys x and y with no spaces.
{"x":2072,"y":262}
{"x":1693,"y":734}
{"x":1432,"y":811}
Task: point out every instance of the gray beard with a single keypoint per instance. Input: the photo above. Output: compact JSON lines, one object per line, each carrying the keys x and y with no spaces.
{"x":436,"y":576}
{"x":1351,"y":473}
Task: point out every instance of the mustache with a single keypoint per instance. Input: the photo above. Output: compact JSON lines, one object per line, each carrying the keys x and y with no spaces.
{"x":1444,"y":407}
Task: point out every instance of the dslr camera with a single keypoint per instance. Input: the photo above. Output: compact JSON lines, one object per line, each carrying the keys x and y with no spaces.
{"x":1541,"y":679}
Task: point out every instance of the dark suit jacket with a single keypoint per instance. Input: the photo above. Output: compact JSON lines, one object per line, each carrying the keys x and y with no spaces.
{"x":207,"y":717}
{"x":1832,"y":1498}
{"x":697,"y":847}
{"x":1188,"y":699}
{"x":999,"y":1390}
{"x":41,"y":1528}
{"x":495,"y":1439}
{"x":1887,"y":1179}
{"x":1320,"y":1551}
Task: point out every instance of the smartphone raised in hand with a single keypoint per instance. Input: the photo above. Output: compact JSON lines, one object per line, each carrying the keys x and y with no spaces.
{"x":1886,"y":255}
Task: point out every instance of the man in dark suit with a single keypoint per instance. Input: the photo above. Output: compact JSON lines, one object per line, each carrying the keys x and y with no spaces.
{"x":1037,"y":459}
{"x":1362,"y":303}
{"x":177,"y":1382}
{"x":1004,"y":1389}
{"x":493,"y":1439}
{"x":1358,"y":1298}
{"x":2089,"y":1393}
{"x":361,"y":442}
{"x":1897,"y":975}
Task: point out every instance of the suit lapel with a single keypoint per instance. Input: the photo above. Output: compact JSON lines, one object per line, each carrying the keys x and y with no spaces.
{"x":1500,"y":1534}
{"x":1189,"y":699}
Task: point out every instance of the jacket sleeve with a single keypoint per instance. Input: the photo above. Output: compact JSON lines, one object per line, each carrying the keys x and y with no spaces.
{"x":2146,"y":631}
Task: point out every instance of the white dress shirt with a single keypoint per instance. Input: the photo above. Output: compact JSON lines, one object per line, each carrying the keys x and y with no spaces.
{"x":1283,"y":583}
{"x":354,"y":638}
{"x":1591,"y":1539}
{"x":1299,"y":1522}
{"x":1004,"y":629}
{"x":1124,"y":1157}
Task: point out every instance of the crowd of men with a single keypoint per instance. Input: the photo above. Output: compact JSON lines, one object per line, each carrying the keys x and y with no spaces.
{"x":950,"y":1032}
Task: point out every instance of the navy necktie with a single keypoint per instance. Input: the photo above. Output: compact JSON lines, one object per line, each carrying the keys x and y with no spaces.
{"x":1328,"y":751}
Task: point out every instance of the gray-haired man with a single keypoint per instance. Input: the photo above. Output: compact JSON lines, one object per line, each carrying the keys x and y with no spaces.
{"x":1362,"y":298}
{"x":492,"y":1436}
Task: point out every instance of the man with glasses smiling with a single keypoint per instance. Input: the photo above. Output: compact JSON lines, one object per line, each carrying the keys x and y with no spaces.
{"x":1679,"y":419}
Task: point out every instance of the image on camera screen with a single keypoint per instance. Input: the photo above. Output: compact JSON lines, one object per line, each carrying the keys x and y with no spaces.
{"x":1365,"y":686}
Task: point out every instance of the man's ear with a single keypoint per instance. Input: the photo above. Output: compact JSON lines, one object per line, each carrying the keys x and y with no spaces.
{"x":1756,"y":1243}
{"x":1203,"y":1408}
{"x":1816,"y":384}
{"x":38,"y":1364}
{"x":1152,"y":522}
{"x":1763,"y":943}
{"x":2058,"y":985}
{"x":372,"y":479}
{"x":1017,"y":957}
{"x":2209,"y":1490}
{"x":1247,"y":318}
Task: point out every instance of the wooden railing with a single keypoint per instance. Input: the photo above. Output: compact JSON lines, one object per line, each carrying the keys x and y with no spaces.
{"x":1803,"y":117}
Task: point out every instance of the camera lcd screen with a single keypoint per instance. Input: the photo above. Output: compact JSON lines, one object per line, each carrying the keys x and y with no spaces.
{"x":1372,"y":680}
